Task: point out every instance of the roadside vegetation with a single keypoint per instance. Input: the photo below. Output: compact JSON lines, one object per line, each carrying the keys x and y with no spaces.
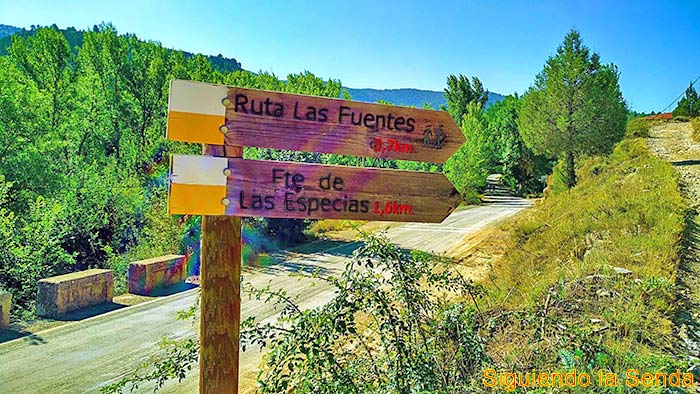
{"x":584,"y":281}
{"x":83,"y":158}
{"x":638,"y":128}
{"x":84,"y":161}
{"x":587,"y":277}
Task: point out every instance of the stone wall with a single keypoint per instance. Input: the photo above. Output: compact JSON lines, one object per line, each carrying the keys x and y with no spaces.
{"x":5,"y":304}
{"x":157,"y":273}
{"x":65,"y":293}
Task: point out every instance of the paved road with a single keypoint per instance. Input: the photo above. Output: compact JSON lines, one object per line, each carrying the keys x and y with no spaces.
{"x":82,"y":356}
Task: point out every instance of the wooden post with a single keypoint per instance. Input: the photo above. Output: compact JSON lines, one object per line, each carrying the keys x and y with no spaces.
{"x":220,"y":302}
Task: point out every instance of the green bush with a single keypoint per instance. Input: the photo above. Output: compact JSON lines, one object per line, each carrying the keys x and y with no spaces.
{"x":391,"y":328}
{"x":558,"y":181}
{"x":400,"y":322}
{"x":30,"y":248}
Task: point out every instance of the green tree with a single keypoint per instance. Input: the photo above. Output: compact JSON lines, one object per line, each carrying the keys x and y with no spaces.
{"x":689,"y":105}
{"x":460,"y":92}
{"x":506,"y":151}
{"x":467,"y":168}
{"x":575,"y":106}
{"x":46,"y":58}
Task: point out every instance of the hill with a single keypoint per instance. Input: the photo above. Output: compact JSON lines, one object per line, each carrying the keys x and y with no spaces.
{"x":412,"y":97}
{"x":75,"y":39}
{"x":6,"y":30}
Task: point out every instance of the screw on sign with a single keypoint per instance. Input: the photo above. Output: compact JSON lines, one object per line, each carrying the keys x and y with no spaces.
{"x":224,"y":187}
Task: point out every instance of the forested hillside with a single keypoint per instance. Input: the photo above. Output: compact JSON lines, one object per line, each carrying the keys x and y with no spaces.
{"x":408,"y":97}
{"x":83,"y":167}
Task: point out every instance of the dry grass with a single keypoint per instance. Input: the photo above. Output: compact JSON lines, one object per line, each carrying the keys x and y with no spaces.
{"x":695,"y":123}
{"x":559,"y":296}
{"x":325,"y":226}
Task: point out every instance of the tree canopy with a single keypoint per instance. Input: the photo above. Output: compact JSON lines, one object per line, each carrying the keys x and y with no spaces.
{"x":689,"y":105}
{"x":460,"y":92}
{"x":575,"y":105}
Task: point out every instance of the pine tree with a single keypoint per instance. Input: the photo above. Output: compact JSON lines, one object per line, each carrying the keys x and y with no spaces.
{"x":575,"y":106}
{"x":689,"y":105}
{"x":460,"y":92}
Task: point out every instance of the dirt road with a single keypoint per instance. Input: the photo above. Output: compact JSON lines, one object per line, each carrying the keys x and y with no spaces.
{"x":672,"y":142}
{"x":83,"y":356}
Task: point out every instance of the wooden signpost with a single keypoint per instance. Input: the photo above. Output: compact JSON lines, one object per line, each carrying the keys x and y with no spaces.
{"x":223,"y":187}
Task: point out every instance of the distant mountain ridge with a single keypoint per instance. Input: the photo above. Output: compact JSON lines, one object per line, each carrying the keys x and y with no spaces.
{"x":409,"y":96}
{"x":6,"y":30}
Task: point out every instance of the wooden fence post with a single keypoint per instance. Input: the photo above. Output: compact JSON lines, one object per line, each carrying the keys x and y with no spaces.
{"x":220,"y":302}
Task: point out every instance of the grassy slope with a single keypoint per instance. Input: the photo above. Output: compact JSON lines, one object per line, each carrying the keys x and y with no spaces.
{"x":555,"y":300}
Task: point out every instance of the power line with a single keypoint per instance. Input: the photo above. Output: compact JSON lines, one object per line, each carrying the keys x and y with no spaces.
{"x":678,"y":98}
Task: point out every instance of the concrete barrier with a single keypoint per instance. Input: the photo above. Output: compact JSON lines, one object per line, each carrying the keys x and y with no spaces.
{"x":61,"y":294}
{"x":145,"y":276}
{"x":5,"y":304}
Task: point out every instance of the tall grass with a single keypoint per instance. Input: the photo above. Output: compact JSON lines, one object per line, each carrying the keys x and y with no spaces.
{"x":561,"y":297}
{"x":695,"y":124}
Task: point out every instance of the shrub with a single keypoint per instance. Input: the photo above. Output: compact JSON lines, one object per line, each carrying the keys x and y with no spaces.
{"x":391,"y":328}
{"x":398,"y":324}
{"x":30,"y":249}
{"x":557,"y":182}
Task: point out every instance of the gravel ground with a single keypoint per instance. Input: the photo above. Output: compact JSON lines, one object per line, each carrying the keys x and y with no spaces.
{"x":672,"y":142}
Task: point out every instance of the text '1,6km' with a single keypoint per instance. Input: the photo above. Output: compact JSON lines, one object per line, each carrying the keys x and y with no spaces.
{"x":222,"y":115}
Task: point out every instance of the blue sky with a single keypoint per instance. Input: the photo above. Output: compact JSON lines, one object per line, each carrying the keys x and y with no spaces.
{"x":393,"y":44}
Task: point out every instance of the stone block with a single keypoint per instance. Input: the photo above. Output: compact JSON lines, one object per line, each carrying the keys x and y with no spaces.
{"x":145,"y":276}
{"x":61,"y":294}
{"x":5,"y":305}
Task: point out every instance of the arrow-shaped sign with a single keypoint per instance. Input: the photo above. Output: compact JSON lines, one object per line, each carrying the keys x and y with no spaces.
{"x":222,"y":115}
{"x":203,"y":185}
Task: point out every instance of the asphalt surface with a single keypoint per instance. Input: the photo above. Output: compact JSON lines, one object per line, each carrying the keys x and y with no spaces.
{"x":82,"y":356}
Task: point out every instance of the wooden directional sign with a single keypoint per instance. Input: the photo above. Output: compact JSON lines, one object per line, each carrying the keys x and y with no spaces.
{"x":203,"y":185}
{"x":226,"y":117}
{"x":222,"y":115}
